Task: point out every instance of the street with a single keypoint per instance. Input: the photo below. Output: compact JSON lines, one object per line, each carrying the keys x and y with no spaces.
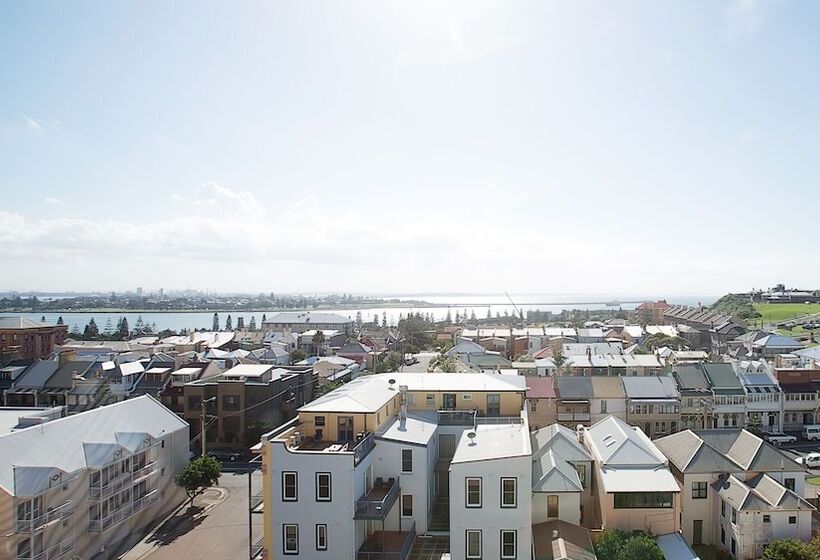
{"x":223,"y":530}
{"x":424,"y":359}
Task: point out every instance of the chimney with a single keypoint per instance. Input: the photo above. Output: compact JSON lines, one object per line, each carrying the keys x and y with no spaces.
{"x":66,"y":356}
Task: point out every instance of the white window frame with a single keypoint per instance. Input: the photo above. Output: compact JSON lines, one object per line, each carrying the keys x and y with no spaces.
{"x":285,"y":549}
{"x":321,"y":536}
{"x":401,"y":505}
{"x":467,"y":481}
{"x":473,"y":555}
{"x":319,"y":497}
{"x":514,"y":503}
{"x":410,"y":451}
{"x":514,"y":534}
{"x":295,"y":497}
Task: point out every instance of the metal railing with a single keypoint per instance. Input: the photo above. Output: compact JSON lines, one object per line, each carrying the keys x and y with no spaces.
{"x":257,"y":546}
{"x":576,"y":416}
{"x":456,"y":417}
{"x":33,"y":524}
{"x":99,"y":525}
{"x":121,"y":482}
{"x":256,"y":500}
{"x":401,"y":554}
{"x":499,"y":420}
{"x":377,"y":508}
{"x":363,"y":447}
{"x":144,"y":471}
{"x":52,"y":552}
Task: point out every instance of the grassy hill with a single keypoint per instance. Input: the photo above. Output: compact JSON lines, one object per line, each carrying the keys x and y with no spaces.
{"x":777,"y":312}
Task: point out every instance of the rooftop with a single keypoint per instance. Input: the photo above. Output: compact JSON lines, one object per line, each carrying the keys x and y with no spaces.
{"x":418,"y":428}
{"x":493,"y":441}
{"x":21,"y":323}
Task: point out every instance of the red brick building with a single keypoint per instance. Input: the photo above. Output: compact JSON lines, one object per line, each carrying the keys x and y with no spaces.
{"x":653,"y":310}
{"x":22,"y":338}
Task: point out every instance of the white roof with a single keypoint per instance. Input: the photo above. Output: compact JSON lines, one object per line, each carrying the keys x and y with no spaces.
{"x":668,"y":330}
{"x":613,"y":442}
{"x":131,"y":368}
{"x":418,"y":428}
{"x":247,"y":370}
{"x":211,"y":339}
{"x":72,"y":443}
{"x":675,"y":548}
{"x":493,"y":441}
{"x":364,"y":394}
{"x":638,"y":480}
{"x":461,"y":382}
{"x":186,"y":371}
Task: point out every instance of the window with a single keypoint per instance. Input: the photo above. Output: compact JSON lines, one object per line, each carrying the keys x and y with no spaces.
{"x":603,"y":406}
{"x":509,"y":498}
{"x":431,"y":400}
{"x":230,"y":402}
{"x":319,"y":422}
{"x":582,"y":474}
{"x":733,"y":546}
{"x":734,"y":515}
{"x":407,"y":505}
{"x":473,"y":494}
{"x":767,"y":519}
{"x":473,"y":543}
{"x":194,"y":403}
{"x":789,"y":483}
{"x":723,"y":509}
{"x":792,"y":519}
{"x":493,"y":404}
{"x":290,"y":536}
{"x":533,"y":405}
{"x":509,"y":542}
{"x":552,"y":505}
{"x":289,"y":484}
{"x":722,"y":535}
{"x":321,"y":537}
{"x":625,"y":500}
{"x":699,"y":490}
{"x":406,"y":460}
{"x":323,"y":491}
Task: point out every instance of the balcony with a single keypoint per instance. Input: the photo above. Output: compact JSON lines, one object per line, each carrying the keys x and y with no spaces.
{"x":456,"y":417}
{"x":112,"y":487}
{"x":36,"y":523}
{"x":100,"y":525}
{"x":387,"y":545}
{"x":256,"y":501}
{"x":363,"y":447}
{"x":145,"y":471}
{"x":59,"y":550}
{"x":499,"y":420}
{"x":377,"y":503}
{"x":573,"y":416}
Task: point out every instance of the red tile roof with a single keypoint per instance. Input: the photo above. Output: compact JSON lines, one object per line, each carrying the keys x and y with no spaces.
{"x":540,"y":388}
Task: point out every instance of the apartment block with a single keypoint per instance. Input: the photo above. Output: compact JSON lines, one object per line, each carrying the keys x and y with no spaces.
{"x":86,"y":485}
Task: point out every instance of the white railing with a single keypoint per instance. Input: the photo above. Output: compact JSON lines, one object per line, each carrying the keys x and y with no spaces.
{"x":52,"y":552}
{"x":99,"y":525}
{"x":113,"y":486}
{"x":148,"y":469}
{"x":32,"y":524}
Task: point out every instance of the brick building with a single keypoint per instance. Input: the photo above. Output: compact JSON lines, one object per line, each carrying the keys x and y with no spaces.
{"x":25,"y":339}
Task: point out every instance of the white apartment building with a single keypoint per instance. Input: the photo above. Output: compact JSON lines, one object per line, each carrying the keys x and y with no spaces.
{"x":739,"y":492}
{"x":364,"y":469}
{"x":81,"y":487}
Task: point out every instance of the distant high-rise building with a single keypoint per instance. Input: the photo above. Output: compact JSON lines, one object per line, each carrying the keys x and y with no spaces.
{"x":139,"y":292}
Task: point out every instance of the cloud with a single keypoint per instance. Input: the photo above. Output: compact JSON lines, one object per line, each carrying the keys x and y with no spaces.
{"x":213,"y":197}
{"x":54,"y":201}
{"x":32,"y":123}
{"x":744,"y":18}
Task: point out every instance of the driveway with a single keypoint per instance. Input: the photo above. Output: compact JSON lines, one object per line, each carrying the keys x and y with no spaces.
{"x":221,"y":532}
{"x":423,"y":361}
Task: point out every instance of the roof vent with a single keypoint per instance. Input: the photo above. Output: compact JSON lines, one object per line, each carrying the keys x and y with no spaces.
{"x":471,"y":435}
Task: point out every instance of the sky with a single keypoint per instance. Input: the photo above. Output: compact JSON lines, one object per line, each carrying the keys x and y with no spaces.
{"x":407,"y":147}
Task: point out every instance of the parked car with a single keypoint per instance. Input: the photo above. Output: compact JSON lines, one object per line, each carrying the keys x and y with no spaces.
{"x":811,"y":432}
{"x":410,"y":359}
{"x":812,"y":460}
{"x":223,"y":455}
{"x":779,"y":438}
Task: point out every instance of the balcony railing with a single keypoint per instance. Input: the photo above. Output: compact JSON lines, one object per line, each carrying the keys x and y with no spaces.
{"x":257,"y":546}
{"x":456,"y":417}
{"x":573,"y":416}
{"x":499,"y":420}
{"x":256,"y":501}
{"x":142,"y":472}
{"x":113,"y":486}
{"x":385,"y":545}
{"x":59,"y":550}
{"x":378,"y":501}
{"x":363,"y":447}
{"x":99,"y":525}
{"x":33,"y":524}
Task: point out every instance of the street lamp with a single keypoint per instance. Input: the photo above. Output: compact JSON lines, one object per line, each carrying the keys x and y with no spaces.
{"x":202,"y":432}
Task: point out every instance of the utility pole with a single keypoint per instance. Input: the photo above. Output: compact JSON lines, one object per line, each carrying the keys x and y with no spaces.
{"x":203,"y":420}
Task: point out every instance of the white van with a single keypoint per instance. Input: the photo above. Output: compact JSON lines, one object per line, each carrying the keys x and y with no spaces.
{"x":811,"y":431}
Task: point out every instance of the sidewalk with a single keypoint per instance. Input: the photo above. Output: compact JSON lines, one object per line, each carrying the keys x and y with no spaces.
{"x":179,"y":522}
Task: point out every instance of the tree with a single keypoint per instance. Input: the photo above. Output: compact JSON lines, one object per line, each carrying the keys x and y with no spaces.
{"x":123,"y":331}
{"x":216,"y":322}
{"x":240,"y":322}
{"x":449,"y":318}
{"x":200,"y":473}
{"x":228,"y":324}
{"x":318,"y":341}
{"x":254,"y":431}
{"x":252,"y":324}
{"x":384,"y":319}
{"x":60,"y":320}
{"x":264,"y":318}
{"x":109,"y":327}
{"x":91,"y":330}
{"x":327,"y":387}
{"x":789,"y":549}
{"x":640,"y":547}
{"x":609,"y":543}
{"x":297,"y":356}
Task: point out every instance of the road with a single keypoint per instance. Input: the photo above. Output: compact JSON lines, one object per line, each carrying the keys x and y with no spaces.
{"x":223,"y":533}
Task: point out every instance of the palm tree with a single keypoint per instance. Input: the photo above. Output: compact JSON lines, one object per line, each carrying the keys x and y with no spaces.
{"x":318,"y":342}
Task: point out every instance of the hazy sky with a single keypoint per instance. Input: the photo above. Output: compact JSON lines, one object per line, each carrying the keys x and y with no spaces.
{"x":604,"y":147}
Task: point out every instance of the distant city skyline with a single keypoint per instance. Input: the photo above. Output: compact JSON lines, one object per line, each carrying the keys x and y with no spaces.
{"x":390,"y":147}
